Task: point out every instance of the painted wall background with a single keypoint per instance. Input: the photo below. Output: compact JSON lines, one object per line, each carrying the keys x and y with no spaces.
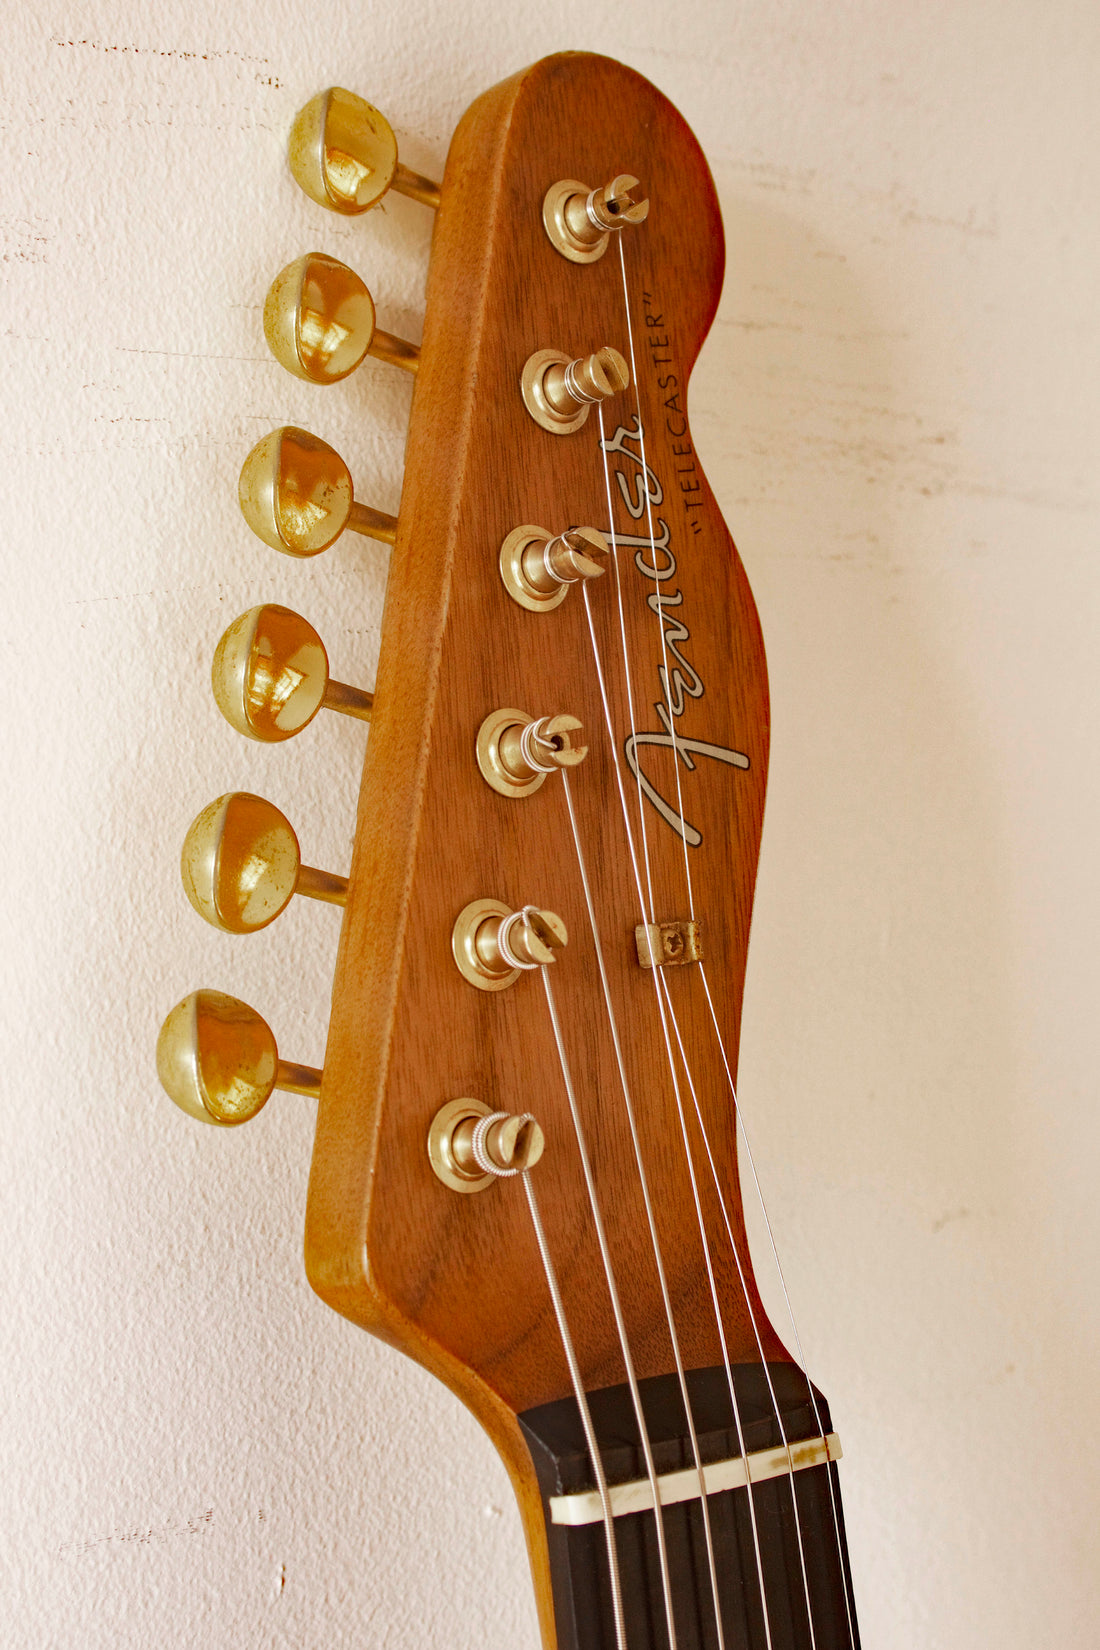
{"x":899,"y":411}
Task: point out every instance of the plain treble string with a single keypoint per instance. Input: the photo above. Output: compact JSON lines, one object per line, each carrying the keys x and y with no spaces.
{"x":647,"y":1201}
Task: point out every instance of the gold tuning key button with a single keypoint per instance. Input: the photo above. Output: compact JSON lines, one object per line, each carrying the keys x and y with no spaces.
{"x":559,"y":393}
{"x":493,"y":944}
{"x":296,"y":494}
{"x":270,"y":676}
{"x":538,"y":567}
{"x":344,"y":155}
{"x":580,"y":221}
{"x":515,"y":752}
{"x":217,"y":1059}
{"x":241,"y":865}
{"x":319,"y":322}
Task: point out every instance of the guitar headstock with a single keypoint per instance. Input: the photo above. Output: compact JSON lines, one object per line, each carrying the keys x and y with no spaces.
{"x":548,"y":906}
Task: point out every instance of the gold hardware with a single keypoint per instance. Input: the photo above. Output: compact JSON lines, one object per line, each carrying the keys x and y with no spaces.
{"x":343,"y":153}
{"x":513,"y":1143}
{"x":559,"y":392}
{"x":319,"y":322}
{"x":217,"y":1059}
{"x":532,"y":936}
{"x":580,"y":221}
{"x":503,"y":759}
{"x":669,"y":944}
{"x":296,"y":495}
{"x":538,"y":568}
{"x":270,"y":676}
{"x":241,"y":865}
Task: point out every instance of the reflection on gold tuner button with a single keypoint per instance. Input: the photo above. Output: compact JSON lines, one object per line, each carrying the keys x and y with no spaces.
{"x":559,"y":393}
{"x":580,"y":221}
{"x":217,"y":1059}
{"x":241,"y":865}
{"x":319,"y":322}
{"x":343,"y":153}
{"x":296,"y":494}
{"x":270,"y":676}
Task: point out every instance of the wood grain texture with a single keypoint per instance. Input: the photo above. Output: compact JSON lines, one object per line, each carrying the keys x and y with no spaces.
{"x":456,"y":1281}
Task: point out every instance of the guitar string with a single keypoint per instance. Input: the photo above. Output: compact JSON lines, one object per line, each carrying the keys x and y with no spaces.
{"x":613,"y":1292}
{"x":656,"y":603}
{"x":613,"y":748}
{"x":585,"y":1413}
{"x":647,"y":1201}
{"x":664,"y":673}
{"x":811,"y":1390}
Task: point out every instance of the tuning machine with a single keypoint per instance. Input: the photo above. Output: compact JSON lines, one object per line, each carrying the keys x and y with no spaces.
{"x":538,"y":567}
{"x":559,"y":392}
{"x":241,"y":865}
{"x":296,"y":494}
{"x":270,"y":676}
{"x":319,"y":322}
{"x":343,"y":153}
{"x":218,"y":1060}
{"x":580,"y":221}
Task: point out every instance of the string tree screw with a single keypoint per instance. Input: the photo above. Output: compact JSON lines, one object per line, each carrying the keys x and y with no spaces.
{"x":492,"y":944}
{"x":538,"y":567}
{"x":559,"y":391}
{"x":580,"y":221}
{"x":515,"y":752}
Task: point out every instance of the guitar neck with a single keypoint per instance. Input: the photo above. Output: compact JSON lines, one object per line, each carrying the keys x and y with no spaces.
{"x":795,"y":1494}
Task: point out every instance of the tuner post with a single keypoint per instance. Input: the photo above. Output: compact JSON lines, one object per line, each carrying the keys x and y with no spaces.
{"x":559,"y":393}
{"x":492,"y":944}
{"x":296,"y":494}
{"x":515,"y":752}
{"x":343,"y":154}
{"x":319,"y":322}
{"x":470,"y":1146}
{"x":538,"y":567}
{"x":218,"y":1061}
{"x":580,"y":221}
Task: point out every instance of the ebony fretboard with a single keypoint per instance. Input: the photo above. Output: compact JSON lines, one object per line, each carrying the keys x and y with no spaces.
{"x":578,"y":1555}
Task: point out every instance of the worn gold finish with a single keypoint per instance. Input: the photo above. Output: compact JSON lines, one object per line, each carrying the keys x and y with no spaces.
{"x":270,"y":676}
{"x":296,"y":494}
{"x":319,"y":322}
{"x":241,"y":865}
{"x":343,"y":153}
{"x":507,"y":738}
{"x":669,"y":944}
{"x":217,"y":1059}
{"x":538,"y":568}
{"x":579,"y":220}
{"x":532,"y":936}
{"x":559,"y":392}
{"x":512,"y":1142}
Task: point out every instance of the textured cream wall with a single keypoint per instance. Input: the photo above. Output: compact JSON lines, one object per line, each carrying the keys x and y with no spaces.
{"x":899,"y":412}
